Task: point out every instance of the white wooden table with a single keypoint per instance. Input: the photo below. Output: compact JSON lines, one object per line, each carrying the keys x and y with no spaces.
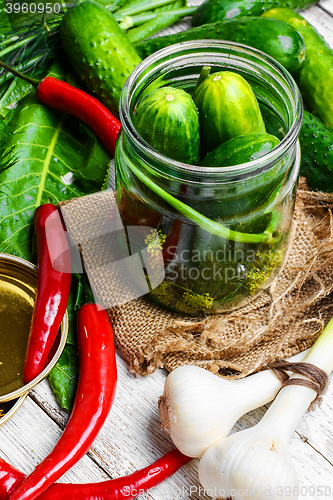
{"x":131,"y":438}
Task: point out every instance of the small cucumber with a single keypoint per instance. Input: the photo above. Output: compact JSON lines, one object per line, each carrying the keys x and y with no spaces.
{"x":276,"y":38}
{"x":240,"y":150}
{"x":168,"y":120}
{"x":99,"y":50}
{"x":220,"y":10}
{"x":227,"y":108}
{"x":315,"y":80}
{"x":317,"y":153}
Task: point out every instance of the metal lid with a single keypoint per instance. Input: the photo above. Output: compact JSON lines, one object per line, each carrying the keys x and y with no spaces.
{"x":24,"y":274}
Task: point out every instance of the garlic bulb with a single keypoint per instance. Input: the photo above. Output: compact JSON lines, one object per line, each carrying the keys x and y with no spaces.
{"x":241,"y":467}
{"x":198,"y":408}
{"x":256,"y":463}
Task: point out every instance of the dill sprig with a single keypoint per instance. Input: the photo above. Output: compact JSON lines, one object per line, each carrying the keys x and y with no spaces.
{"x":7,"y":156}
{"x":30,"y":48}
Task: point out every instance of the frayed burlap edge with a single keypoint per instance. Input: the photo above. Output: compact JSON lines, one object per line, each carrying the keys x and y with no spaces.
{"x":283,"y":321}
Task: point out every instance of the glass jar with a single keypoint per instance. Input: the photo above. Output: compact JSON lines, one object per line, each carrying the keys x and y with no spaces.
{"x":223,"y":231}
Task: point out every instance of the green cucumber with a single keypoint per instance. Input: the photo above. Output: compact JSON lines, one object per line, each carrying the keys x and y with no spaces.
{"x":240,"y":150}
{"x":99,"y":50}
{"x":227,"y":108}
{"x":220,"y":10}
{"x":317,"y":153}
{"x":315,"y":80}
{"x":168,"y":120}
{"x":276,"y":38}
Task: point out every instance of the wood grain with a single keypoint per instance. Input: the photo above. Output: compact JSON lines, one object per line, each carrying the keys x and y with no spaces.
{"x":132,"y":438}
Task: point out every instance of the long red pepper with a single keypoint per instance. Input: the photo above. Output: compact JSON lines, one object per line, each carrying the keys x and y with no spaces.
{"x":94,"y":397}
{"x":64,"y":97}
{"x":10,"y":478}
{"x":68,"y":99}
{"x":127,"y":487}
{"x":52,"y":292}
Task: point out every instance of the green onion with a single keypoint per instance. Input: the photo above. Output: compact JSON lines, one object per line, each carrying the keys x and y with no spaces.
{"x":143,"y":6}
{"x":126,"y":22}
{"x":204,"y":222}
{"x":258,"y":459}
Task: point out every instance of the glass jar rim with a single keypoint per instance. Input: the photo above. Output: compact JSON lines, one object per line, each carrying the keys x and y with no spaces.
{"x":264,"y":162}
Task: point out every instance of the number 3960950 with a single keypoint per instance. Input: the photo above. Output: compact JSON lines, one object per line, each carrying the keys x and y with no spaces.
{"x":33,"y":8}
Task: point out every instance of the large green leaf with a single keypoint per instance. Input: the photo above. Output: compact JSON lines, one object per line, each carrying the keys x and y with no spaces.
{"x":63,"y":378}
{"x":57,"y":159}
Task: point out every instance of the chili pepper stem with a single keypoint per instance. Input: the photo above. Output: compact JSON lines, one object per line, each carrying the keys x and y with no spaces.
{"x":10,"y":76}
{"x":32,"y":81}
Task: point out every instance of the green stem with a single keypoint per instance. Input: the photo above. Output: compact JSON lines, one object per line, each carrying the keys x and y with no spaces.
{"x":27,"y":65}
{"x":118,"y":4}
{"x":14,"y":71}
{"x":321,"y":353}
{"x":114,"y":6}
{"x":129,"y":21}
{"x":166,"y":18}
{"x":203,"y":75}
{"x":9,"y":41}
{"x":202,"y":221}
{"x":143,"y":6}
{"x":17,"y":45}
{"x":8,"y":92}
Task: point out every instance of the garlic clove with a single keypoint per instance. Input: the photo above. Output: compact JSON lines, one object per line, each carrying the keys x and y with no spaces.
{"x":198,"y":408}
{"x":195,"y":406}
{"x":249,"y":464}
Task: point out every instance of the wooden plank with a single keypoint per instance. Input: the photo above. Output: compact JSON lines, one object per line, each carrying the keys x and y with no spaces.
{"x":320,"y":20}
{"x":131,"y":438}
{"x":327,"y":5}
{"x":30,"y":435}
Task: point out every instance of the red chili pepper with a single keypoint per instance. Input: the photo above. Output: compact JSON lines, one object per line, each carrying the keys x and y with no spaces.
{"x":171,"y":242}
{"x":52,"y":291}
{"x":127,"y":487}
{"x":10,"y":478}
{"x":63,"y":97}
{"x":68,"y":99}
{"x":93,"y":400}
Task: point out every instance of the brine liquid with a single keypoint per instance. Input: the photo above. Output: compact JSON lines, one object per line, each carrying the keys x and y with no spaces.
{"x":16,"y":306}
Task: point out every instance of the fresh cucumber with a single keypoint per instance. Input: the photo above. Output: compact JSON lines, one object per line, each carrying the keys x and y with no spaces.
{"x":315,"y":80}
{"x":276,"y":38}
{"x":240,"y":150}
{"x":99,"y":50}
{"x":168,"y":120}
{"x":317,"y":153}
{"x":227,"y":108}
{"x":220,"y":10}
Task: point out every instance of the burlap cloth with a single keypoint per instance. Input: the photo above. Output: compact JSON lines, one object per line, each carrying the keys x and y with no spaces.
{"x":284,"y":320}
